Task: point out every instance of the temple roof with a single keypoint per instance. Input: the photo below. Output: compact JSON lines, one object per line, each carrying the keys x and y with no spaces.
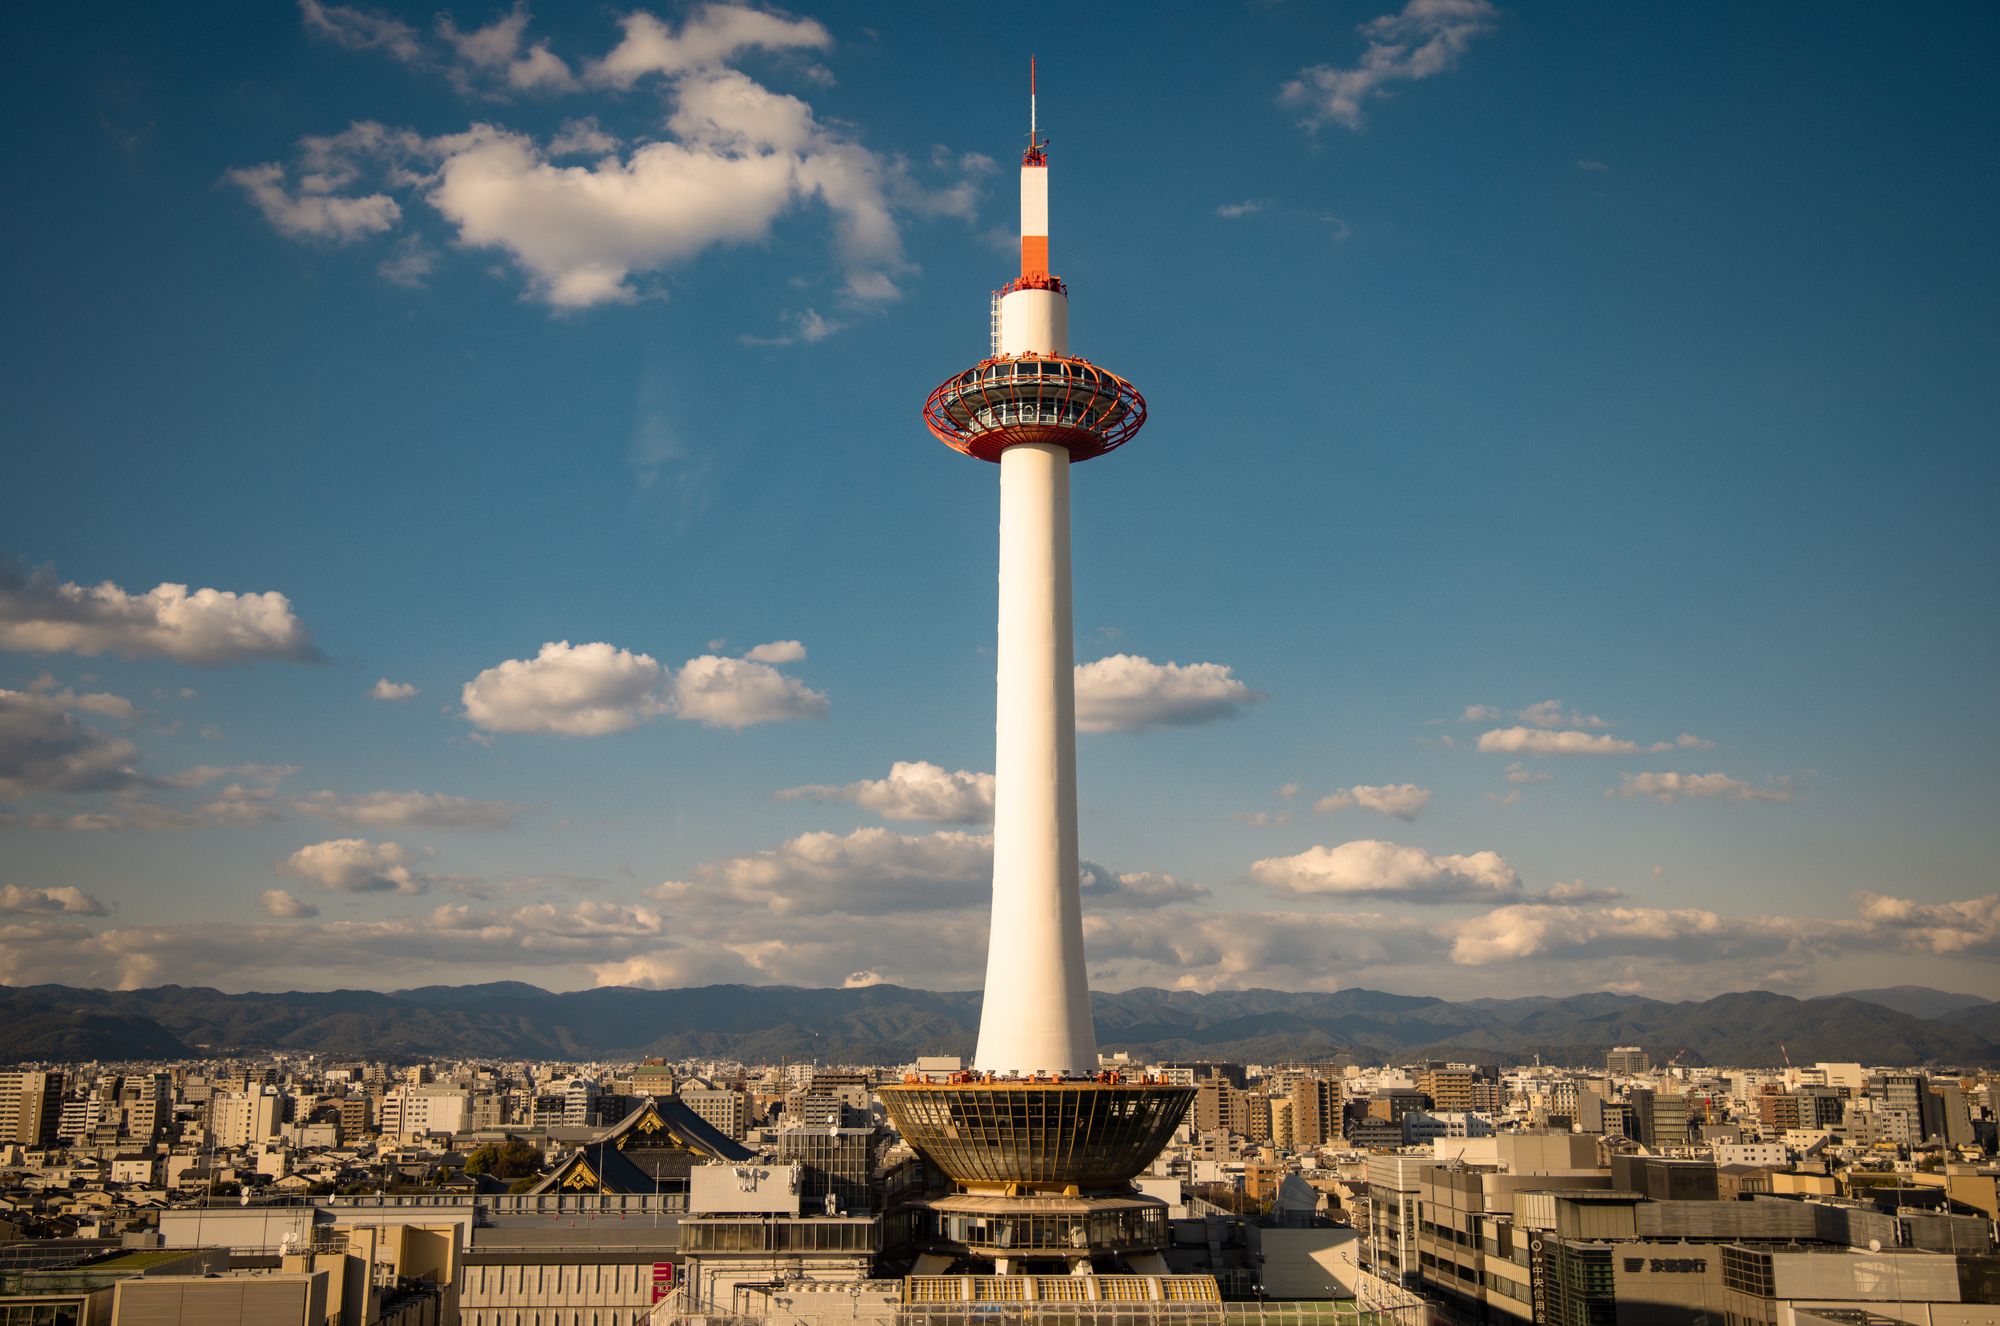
{"x":657,"y":1141}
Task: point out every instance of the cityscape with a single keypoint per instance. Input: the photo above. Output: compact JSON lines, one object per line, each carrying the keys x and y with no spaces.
{"x":389,"y":937}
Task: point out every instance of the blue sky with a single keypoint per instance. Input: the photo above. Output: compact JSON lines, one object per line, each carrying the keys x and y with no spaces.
{"x":1569,"y":473}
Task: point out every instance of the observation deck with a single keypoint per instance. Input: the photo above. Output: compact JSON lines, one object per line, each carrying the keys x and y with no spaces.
{"x":1011,"y":400}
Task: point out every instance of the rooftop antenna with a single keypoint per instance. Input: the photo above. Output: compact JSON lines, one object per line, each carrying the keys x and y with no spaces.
{"x":1033,"y":156}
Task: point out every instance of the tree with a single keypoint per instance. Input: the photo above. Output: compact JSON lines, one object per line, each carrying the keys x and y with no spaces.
{"x":512,"y":1159}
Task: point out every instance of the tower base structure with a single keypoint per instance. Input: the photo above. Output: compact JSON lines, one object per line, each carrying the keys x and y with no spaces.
{"x":1042,"y":1171}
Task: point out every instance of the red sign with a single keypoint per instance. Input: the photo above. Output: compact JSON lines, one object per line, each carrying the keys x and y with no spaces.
{"x":663,"y":1280}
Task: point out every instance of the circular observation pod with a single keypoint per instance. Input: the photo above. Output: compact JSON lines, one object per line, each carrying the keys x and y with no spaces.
{"x":1001,"y":403}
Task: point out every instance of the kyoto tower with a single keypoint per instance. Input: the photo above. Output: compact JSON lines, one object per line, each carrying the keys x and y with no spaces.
{"x":1042,"y":1146}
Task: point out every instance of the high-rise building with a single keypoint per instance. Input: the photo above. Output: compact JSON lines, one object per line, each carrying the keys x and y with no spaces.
{"x":30,"y":1107}
{"x":1316,"y":1103}
{"x":1628,"y":1061}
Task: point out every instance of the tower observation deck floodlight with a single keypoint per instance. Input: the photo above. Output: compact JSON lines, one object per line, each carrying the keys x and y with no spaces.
{"x":1034,"y":1119}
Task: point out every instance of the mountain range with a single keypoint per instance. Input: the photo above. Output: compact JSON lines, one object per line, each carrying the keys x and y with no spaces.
{"x":887,"y":1024}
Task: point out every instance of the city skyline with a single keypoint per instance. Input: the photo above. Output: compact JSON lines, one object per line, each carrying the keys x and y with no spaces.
{"x":475,"y":522}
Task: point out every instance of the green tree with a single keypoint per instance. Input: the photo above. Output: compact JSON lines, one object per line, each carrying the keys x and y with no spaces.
{"x":512,"y":1159}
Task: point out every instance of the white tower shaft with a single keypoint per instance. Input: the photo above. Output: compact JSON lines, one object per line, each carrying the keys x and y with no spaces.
{"x":1036,"y":1014}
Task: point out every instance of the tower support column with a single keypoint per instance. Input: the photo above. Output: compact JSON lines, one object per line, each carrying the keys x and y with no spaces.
{"x":1036,"y":1013}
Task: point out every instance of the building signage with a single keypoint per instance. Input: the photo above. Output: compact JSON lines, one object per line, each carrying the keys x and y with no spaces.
{"x":1668,"y":1265}
{"x":663,"y":1280}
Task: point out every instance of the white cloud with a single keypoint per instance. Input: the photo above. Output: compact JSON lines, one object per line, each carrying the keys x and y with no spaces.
{"x":355,"y":865}
{"x":1288,"y":791}
{"x":286,"y":906}
{"x":310,"y":213}
{"x":741,"y":156}
{"x":44,"y":748}
{"x":1671,"y":787}
{"x":1969,"y":926}
{"x":62,"y":901}
{"x":1479,"y":713}
{"x":426,"y":810}
{"x":736,"y":692}
{"x":1369,"y":867}
{"x":359,"y":30}
{"x":1263,"y":819}
{"x":409,"y":264}
{"x":234,"y":807}
{"x":1546,"y":741}
{"x":1248,"y":207}
{"x":40,"y":614}
{"x":1103,"y":888}
{"x":713,"y":35}
{"x":914,"y":790}
{"x":737,"y":158}
{"x":570,"y":690}
{"x":777,"y":651}
{"x":868,"y":871}
{"x":1403,"y":800}
{"x":1549,"y":713}
{"x":500,"y":50}
{"x":1425,"y":39}
{"x":1521,"y":773}
{"x":593,"y":689}
{"x":583,"y":138}
{"x":344,"y":952}
{"x":384,"y":689}
{"x":1124,"y":692}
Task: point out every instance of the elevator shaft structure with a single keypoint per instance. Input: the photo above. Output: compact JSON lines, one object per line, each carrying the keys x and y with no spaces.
{"x":1035,"y":409}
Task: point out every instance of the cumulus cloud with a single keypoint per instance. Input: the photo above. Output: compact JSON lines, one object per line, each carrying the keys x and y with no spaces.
{"x":286,"y":906}
{"x":1403,"y":800}
{"x":1549,"y":713}
{"x":737,"y":692}
{"x":41,"y":614}
{"x":233,"y":807}
{"x":384,"y":689}
{"x":311,"y":210}
{"x":737,"y":157}
{"x":711,"y":36}
{"x":45,"y":748}
{"x":869,"y":871}
{"x":425,"y":810}
{"x":360,"y":30}
{"x":1548,"y":741}
{"x":501,"y":51}
{"x":1103,"y":888}
{"x":1671,"y":787}
{"x":61,"y":901}
{"x":914,"y":790}
{"x":1518,"y":772}
{"x":1424,"y":39}
{"x":593,"y":689}
{"x":570,"y":690}
{"x":777,"y":651}
{"x":355,"y":865}
{"x":352,"y":952}
{"x":1371,"y":868}
{"x":1126,"y":693}
{"x":1969,"y":926}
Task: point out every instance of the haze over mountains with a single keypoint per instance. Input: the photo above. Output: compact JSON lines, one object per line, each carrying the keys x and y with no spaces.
{"x":889,"y":1024}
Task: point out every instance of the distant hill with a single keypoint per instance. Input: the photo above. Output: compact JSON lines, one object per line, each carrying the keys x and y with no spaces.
{"x":1919,"y":1001}
{"x":888,"y":1024}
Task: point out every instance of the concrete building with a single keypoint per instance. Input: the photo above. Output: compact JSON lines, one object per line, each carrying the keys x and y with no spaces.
{"x":30,"y":1107}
